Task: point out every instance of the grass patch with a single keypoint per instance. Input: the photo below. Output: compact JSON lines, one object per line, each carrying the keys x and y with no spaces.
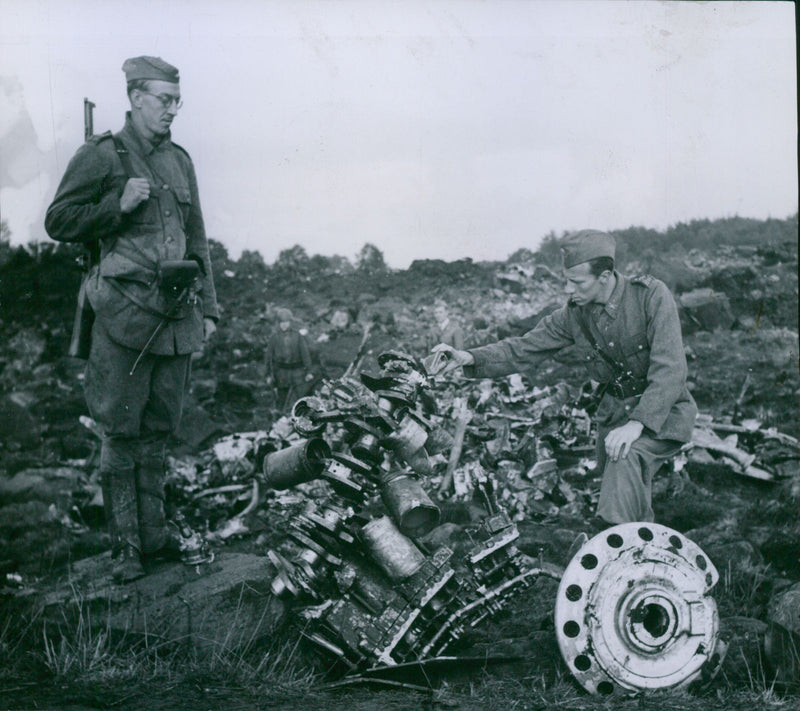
{"x":744,"y":589}
{"x":78,"y":656}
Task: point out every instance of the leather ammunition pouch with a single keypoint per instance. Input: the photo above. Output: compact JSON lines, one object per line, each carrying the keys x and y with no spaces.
{"x":177,"y":275}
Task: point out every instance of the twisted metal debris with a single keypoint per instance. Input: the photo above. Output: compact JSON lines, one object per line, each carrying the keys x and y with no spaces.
{"x":633,"y":610}
{"x":368,"y":590}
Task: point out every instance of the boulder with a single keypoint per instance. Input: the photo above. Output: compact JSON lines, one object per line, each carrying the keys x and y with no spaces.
{"x":223,"y":605}
{"x":18,"y":426}
{"x":705,"y":310}
{"x":744,"y":661}
{"x":51,"y":485}
{"x":782,"y":640}
{"x":735,"y":555}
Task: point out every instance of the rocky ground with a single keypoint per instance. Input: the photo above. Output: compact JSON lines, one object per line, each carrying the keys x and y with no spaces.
{"x":739,"y":312}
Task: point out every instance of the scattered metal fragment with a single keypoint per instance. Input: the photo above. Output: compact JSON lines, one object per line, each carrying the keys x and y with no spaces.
{"x":634,"y":611}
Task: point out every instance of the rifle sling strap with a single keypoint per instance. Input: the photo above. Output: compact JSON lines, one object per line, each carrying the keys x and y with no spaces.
{"x":123,"y":154}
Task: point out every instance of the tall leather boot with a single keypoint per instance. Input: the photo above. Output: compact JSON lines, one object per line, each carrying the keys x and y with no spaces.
{"x":150,"y":475}
{"x":118,"y":471}
{"x":105,"y":487}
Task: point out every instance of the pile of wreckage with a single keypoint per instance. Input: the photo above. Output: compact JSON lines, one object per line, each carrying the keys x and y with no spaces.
{"x":356,"y":468}
{"x":343,"y":499}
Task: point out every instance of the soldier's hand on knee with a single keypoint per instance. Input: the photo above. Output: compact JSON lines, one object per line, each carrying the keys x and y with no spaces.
{"x":618,"y":442}
{"x":136,"y":191}
{"x":209,"y":328}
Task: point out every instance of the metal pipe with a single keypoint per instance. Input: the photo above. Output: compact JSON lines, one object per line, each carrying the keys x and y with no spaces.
{"x":408,"y":504}
{"x":395,"y":554}
{"x":294,"y":465}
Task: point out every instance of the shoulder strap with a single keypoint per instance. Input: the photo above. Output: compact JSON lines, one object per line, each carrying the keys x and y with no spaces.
{"x":643,"y":280}
{"x":616,"y":369}
{"x":181,"y":149}
{"x":123,"y":154}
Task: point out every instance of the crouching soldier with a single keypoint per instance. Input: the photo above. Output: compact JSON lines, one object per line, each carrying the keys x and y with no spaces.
{"x":629,"y":335}
{"x":136,"y":193}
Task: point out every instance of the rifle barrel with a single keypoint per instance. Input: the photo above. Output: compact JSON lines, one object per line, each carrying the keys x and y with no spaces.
{"x":88,"y":119}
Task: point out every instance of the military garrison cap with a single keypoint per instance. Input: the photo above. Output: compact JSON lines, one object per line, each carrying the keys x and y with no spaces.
{"x":149,"y":68}
{"x":580,"y":247}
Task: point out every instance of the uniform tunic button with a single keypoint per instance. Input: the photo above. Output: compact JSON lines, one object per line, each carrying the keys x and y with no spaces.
{"x":611,"y":344}
{"x":167,"y":213}
{"x":640,"y":346}
{"x":165,"y":187}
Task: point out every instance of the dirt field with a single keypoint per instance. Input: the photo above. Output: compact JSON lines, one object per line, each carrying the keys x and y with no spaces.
{"x":743,"y":365}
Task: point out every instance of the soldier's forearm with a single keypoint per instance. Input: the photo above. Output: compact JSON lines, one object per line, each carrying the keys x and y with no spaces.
{"x":70,"y":221}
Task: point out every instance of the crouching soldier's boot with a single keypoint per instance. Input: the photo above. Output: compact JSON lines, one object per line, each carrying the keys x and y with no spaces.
{"x":158,"y":540}
{"x":118,"y":472}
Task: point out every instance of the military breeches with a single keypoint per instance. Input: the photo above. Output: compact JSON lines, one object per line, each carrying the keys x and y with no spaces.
{"x":136,"y":413}
{"x":626,"y":489}
{"x":290,"y":385}
{"x":149,"y":401}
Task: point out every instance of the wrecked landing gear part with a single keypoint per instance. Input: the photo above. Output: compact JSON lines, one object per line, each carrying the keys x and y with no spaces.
{"x":634,"y":612}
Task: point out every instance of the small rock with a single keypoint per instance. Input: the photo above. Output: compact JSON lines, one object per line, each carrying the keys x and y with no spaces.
{"x":17,"y":424}
{"x":51,"y":485}
{"x":734,"y":555}
{"x":744,"y":661}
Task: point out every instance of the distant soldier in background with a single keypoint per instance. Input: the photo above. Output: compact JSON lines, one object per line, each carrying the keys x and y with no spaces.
{"x":450,"y":333}
{"x":629,"y":334}
{"x":152,"y":294}
{"x":288,"y":362}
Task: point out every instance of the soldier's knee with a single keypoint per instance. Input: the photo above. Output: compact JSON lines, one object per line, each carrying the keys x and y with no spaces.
{"x":118,"y":453}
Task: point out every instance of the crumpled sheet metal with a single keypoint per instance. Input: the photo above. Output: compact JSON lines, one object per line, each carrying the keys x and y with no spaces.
{"x":634,"y":611}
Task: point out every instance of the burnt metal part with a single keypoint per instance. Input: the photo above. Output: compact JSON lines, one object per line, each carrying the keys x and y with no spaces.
{"x":368,"y":592}
{"x":634,"y":611}
{"x":409,"y":504}
{"x":304,"y":416}
{"x":296,"y":464}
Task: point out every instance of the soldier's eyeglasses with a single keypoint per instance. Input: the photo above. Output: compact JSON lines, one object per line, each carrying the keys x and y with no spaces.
{"x":167,"y":99}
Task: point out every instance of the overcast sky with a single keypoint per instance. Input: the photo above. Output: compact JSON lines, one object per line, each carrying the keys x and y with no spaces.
{"x":431,"y":129}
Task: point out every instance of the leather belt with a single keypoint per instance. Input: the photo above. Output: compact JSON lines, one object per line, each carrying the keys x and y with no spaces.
{"x":626,"y":389}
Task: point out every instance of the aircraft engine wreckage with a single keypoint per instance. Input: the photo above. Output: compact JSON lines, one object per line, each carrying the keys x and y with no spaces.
{"x":633,"y":611}
{"x":370,"y":594}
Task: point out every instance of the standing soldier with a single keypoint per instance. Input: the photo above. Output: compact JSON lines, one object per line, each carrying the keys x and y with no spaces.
{"x":288,"y":362}
{"x":629,"y":335}
{"x":153,"y":296}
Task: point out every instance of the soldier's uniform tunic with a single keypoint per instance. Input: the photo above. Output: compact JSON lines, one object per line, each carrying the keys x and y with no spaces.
{"x":135,"y":412}
{"x":638,"y":327}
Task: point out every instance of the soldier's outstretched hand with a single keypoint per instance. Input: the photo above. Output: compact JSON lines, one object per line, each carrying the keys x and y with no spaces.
{"x":445,"y":359}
